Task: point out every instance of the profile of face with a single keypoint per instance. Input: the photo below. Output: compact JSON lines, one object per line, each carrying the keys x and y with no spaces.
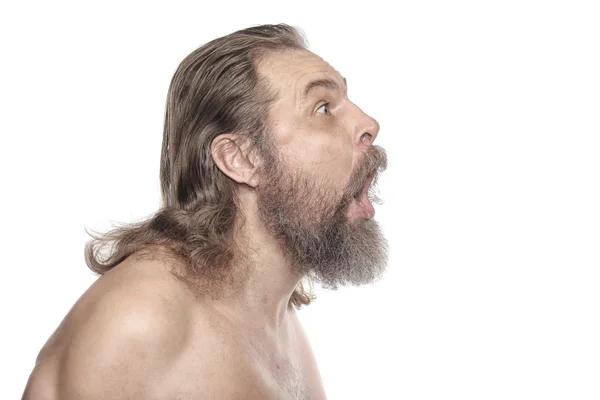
{"x":316,"y":190}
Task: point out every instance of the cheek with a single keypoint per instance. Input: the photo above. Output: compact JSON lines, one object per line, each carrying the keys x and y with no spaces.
{"x":332,"y":160}
{"x":323,"y":152}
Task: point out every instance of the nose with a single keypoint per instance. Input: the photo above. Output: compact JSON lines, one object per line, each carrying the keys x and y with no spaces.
{"x":367,"y":129}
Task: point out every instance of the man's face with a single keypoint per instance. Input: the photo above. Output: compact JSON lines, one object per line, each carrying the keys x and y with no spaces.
{"x":313,"y":194}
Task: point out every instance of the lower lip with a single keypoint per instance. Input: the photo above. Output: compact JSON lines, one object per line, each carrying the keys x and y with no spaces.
{"x":362,"y":207}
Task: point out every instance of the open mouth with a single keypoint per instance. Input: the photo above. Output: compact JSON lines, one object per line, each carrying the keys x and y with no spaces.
{"x":361,"y":204}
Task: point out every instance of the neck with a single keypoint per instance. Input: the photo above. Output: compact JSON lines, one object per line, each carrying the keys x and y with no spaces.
{"x":268,"y":281}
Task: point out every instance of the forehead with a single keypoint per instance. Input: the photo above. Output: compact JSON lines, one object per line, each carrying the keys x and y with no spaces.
{"x":289,"y":71}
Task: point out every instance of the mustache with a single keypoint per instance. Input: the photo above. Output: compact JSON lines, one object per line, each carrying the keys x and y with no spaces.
{"x":373,"y":163}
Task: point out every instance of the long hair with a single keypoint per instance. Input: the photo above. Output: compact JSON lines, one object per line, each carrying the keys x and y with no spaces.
{"x":216,"y":89}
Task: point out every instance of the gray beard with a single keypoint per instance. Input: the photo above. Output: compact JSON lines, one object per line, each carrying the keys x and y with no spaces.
{"x":314,"y":230}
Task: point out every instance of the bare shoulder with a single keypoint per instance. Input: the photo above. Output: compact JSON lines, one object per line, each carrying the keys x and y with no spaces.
{"x":118,"y":341}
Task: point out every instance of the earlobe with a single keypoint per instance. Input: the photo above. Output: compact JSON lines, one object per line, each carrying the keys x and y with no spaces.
{"x":232,"y":156}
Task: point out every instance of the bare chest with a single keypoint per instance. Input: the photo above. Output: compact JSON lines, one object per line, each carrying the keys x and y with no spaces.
{"x":248,"y":371}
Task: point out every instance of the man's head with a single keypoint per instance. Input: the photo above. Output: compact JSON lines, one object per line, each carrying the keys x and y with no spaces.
{"x":256,"y":122}
{"x":256,"y":112}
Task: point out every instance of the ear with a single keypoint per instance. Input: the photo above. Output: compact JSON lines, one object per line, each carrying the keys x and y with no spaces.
{"x":233,"y":157}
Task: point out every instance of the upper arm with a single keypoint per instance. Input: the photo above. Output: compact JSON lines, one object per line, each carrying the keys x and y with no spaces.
{"x":122,"y":352}
{"x":117,"y":348}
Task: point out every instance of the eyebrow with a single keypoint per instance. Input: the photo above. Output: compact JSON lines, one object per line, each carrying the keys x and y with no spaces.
{"x":325,"y":83}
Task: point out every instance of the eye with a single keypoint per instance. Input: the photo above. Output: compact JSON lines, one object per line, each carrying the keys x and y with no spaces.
{"x":325,"y":108}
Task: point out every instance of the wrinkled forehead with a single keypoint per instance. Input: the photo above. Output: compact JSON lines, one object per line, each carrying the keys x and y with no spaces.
{"x":290,"y":71}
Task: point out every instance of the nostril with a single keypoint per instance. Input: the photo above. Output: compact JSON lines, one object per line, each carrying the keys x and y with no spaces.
{"x":366,"y":137}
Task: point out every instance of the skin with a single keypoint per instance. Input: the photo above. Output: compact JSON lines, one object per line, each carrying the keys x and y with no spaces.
{"x":139,"y":333}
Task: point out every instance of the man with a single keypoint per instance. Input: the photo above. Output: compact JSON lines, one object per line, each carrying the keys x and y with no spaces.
{"x":266,"y":172}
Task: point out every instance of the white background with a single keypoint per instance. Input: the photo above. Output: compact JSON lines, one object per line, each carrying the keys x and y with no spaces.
{"x":490,"y":113}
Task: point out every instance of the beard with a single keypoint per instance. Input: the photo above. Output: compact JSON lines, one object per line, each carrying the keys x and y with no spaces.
{"x":310,"y":220}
